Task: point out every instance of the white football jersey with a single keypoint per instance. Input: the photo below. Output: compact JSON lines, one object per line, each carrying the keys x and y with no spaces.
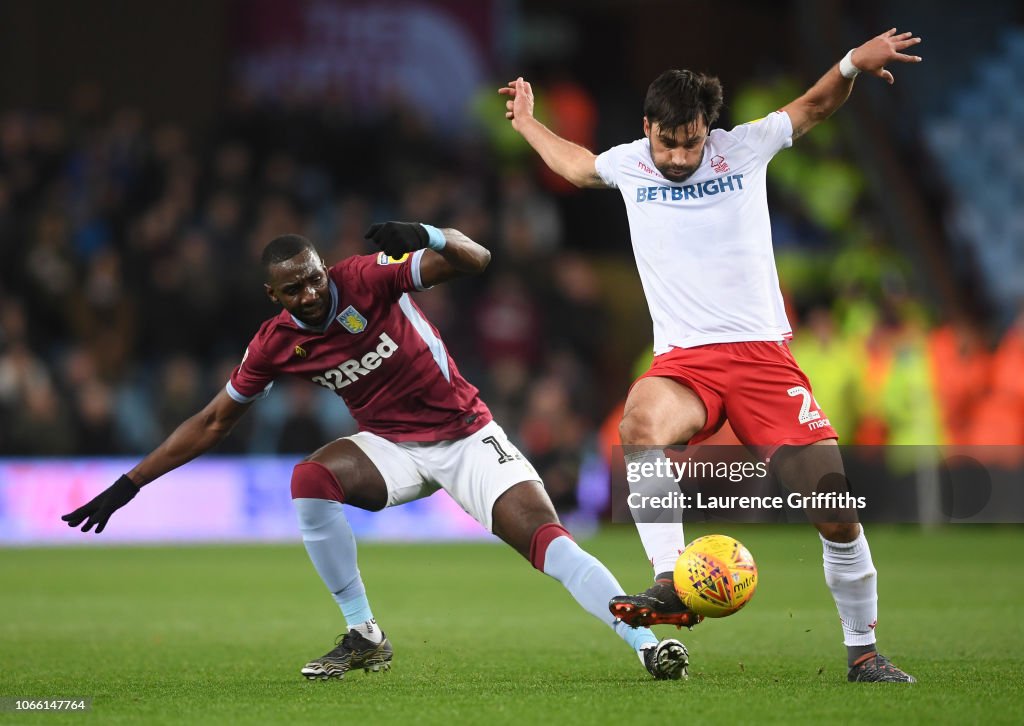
{"x":704,"y":246}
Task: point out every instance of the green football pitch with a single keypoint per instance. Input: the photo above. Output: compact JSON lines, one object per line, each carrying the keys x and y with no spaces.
{"x":218,"y":634}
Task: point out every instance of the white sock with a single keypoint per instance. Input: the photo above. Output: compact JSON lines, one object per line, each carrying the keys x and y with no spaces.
{"x":852,"y":578}
{"x":592,"y":585}
{"x":663,"y":541}
{"x":369,"y":630}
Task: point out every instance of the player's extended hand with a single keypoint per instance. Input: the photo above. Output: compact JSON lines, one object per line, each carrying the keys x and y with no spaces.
{"x":398,"y":238}
{"x":520,"y":102}
{"x":100,"y":507}
{"x":872,"y":56}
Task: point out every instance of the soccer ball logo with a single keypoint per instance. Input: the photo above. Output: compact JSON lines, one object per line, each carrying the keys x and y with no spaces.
{"x":715,"y":576}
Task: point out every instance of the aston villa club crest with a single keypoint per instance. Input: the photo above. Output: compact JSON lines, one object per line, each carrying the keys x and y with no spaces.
{"x":352,"y":320}
{"x":300,"y":351}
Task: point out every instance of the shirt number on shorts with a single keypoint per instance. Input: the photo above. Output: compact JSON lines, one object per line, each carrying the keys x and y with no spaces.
{"x":806,"y":414}
{"x":503,"y":456}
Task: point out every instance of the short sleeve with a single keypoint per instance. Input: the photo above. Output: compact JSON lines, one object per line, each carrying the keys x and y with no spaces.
{"x":766,"y":136}
{"x":607,"y":165}
{"x":252,"y":379}
{"x":392,"y":276}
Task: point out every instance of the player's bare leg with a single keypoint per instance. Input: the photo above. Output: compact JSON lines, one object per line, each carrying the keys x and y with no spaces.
{"x":520,"y":512}
{"x":525,"y":519}
{"x":658,"y":412}
{"x":341,"y":473}
{"x":661,"y":412}
{"x":849,"y":571}
{"x":361,"y":481}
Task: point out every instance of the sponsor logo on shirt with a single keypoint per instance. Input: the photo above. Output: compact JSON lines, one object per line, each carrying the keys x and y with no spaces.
{"x":663,"y":193}
{"x":383,"y":259}
{"x":352,"y":320}
{"x":644,"y":168}
{"x":353,"y":369}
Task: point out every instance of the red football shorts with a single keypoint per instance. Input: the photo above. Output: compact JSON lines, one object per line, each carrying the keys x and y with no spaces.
{"x":758,"y":386}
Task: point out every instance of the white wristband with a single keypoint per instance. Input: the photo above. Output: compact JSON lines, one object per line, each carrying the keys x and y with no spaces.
{"x":846,"y":67}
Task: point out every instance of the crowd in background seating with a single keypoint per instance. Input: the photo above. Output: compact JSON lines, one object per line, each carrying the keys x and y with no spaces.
{"x":130,"y":284}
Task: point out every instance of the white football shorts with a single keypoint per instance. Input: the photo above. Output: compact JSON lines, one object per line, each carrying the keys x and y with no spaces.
{"x":475,"y":471}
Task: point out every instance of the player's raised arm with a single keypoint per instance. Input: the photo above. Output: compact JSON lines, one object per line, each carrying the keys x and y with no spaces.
{"x":833,"y":88}
{"x":449,"y":253}
{"x":568,"y":160}
{"x":195,"y":436}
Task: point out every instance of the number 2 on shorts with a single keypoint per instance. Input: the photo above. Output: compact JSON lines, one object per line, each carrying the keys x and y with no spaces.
{"x":806,"y":414}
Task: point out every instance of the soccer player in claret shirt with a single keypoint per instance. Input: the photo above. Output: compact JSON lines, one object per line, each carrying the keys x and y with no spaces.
{"x":353,"y":329}
{"x":698,"y":216}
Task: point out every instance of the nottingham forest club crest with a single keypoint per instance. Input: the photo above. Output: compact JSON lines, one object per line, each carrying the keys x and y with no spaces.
{"x":352,"y":320}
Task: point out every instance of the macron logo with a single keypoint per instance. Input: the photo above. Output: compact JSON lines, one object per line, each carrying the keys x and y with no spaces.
{"x":352,"y":370}
{"x":648,"y":170}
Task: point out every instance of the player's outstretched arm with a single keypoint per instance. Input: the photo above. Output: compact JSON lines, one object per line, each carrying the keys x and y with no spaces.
{"x":195,"y":436}
{"x":833,"y":88}
{"x":449,"y":253}
{"x":568,"y":160}
{"x":459,"y":257}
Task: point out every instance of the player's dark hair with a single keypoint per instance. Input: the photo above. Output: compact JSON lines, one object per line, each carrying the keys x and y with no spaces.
{"x":283,"y":248}
{"x":678,"y":98}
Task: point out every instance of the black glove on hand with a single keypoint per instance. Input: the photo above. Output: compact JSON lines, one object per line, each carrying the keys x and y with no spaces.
{"x":398,"y":238}
{"x":99,"y":509}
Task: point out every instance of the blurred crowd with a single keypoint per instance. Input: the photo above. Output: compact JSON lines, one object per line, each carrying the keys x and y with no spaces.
{"x":130,"y":284}
{"x":886,"y":367}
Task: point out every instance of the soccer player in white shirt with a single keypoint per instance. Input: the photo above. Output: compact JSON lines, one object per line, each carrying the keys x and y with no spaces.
{"x":698,"y":218}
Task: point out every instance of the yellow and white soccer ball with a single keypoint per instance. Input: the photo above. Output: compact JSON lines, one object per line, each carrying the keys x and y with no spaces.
{"x":715,"y":576}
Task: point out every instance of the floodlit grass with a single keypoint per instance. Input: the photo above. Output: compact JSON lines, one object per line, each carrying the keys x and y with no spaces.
{"x":218,"y":634}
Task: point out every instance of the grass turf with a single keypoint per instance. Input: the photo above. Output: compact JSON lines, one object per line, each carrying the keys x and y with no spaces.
{"x":217,"y":635}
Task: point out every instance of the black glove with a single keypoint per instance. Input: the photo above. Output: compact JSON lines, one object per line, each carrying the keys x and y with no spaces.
{"x":99,"y":509}
{"x":398,"y":238}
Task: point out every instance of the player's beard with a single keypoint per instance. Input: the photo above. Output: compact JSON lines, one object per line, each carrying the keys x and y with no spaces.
{"x":676,"y":174}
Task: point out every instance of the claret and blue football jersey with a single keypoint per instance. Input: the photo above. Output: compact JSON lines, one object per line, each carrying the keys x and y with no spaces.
{"x":376,"y":350}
